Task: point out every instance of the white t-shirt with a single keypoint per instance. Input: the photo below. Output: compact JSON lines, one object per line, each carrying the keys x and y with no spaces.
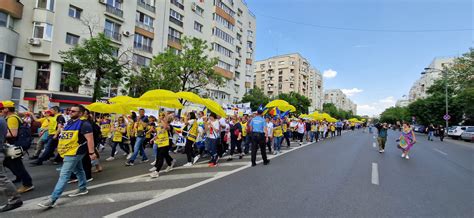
{"x":223,"y":124}
{"x":301,"y":127}
{"x":213,"y":131}
{"x":270,"y":129}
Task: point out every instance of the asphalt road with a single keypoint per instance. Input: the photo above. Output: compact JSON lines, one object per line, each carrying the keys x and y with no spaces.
{"x":342,"y":177}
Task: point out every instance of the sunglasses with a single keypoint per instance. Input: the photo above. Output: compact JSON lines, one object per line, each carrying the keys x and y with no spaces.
{"x":72,"y":111}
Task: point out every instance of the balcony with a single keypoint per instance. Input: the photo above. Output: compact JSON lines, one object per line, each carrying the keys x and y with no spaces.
{"x":144,"y":26}
{"x":10,"y":36}
{"x":248,"y":61}
{"x":178,"y":4}
{"x":146,"y":6}
{"x":142,"y":47}
{"x":43,"y":15}
{"x":174,"y":42}
{"x":176,"y":21}
{"x":116,"y":36}
{"x":12,"y":7}
{"x":225,"y":15}
{"x":223,"y":72}
{"x":113,"y":10}
{"x":42,"y":48}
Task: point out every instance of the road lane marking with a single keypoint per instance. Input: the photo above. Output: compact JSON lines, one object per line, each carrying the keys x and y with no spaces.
{"x":375,"y":174}
{"x":110,"y":199}
{"x":439,"y":151}
{"x":169,"y":194}
{"x":373,"y":144}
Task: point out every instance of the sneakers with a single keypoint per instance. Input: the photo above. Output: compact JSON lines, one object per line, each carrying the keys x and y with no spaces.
{"x":383,"y":150}
{"x":90,"y":180}
{"x":24,"y":189}
{"x":241,"y":156}
{"x":152,"y":169}
{"x":403,"y":155}
{"x":49,"y":203}
{"x":9,"y":207}
{"x":195,"y":160}
{"x":188,"y":164}
{"x":128,"y":164}
{"x":116,"y":152}
{"x":153,"y":163}
{"x":79,"y":193}
{"x":110,"y":159}
{"x":129,"y":156}
{"x":380,"y":151}
{"x":146,"y":160}
{"x":275,"y":152}
{"x":101,"y":147}
{"x":169,"y":168}
{"x":154,"y":174}
{"x":407,"y":157}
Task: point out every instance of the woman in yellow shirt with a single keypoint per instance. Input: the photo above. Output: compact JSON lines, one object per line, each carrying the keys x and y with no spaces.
{"x":162,"y":142}
{"x":118,"y":131}
{"x":277,"y":135}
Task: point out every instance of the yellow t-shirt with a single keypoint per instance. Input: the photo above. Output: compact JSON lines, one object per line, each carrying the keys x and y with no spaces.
{"x":333,"y":128}
{"x":162,"y":139}
{"x":12,"y":122}
{"x":277,"y":131}
{"x":44,"y":122}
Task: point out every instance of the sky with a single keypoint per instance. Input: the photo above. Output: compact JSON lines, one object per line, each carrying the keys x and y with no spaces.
{"x":374,"y":50}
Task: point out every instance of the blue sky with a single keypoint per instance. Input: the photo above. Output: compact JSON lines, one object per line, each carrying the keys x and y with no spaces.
{"x":378,"y":66}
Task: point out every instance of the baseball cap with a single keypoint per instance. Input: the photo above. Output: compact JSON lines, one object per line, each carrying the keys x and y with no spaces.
{"x":7,"y":104}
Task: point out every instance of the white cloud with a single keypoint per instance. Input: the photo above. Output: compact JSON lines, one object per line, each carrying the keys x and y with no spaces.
{"x":376,"y":108}
{"x":351,"y":92}
{"x":329,"y":73}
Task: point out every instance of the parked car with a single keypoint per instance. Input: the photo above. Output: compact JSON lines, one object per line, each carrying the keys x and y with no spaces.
{"x":419,"y":128}
{"x":468,"y":134}
{"x":456,"y":131}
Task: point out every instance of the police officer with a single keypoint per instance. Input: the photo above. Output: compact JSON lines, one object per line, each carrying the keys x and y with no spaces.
{"x":13,"y":198}
{"x":258,"y":130}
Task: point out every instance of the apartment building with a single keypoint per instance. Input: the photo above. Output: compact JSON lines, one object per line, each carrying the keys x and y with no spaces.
{"x":289,"y":73}
{"x":340,"y":100}
{"x":37,"y":30}
{"x":427,"y":79}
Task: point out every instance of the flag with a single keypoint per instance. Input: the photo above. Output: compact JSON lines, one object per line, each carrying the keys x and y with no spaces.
{"x":285,"y":114}
{"x":277,"y":112}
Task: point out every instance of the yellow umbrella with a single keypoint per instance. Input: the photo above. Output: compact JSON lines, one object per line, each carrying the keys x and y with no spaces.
{"x":172,"y":103}
{"x":159,"y":94}
{"x":214,"y":107}
{"x":121,"y":99}
{"x":289,"y":107}
{"x":191,"y":97}
{"x":276,"y":103}
{"x":98,"y":107}
{"x":121,"y":108}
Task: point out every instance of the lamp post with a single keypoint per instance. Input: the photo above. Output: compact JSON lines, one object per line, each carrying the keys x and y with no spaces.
{"x":445,"y":77}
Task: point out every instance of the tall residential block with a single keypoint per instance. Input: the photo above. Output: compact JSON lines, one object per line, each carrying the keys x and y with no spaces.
{"x":420,"y":87}
{"x":289,"y":73}
{"x":33,"y":32}
{"x":340,"y":100}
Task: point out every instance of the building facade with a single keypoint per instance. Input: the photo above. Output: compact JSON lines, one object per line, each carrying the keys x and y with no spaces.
{"x":289,"y":73}
{"x":427,"y":79}
{"x":37,"y":30}
{"x":340,"y":100}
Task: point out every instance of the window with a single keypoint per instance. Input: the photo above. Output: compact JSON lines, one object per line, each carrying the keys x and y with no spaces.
{"x":141,"y":60}
{"x":3,"y":19}
{"x":45,"y":4}
{"x":142,"y":43}
{"x":42,"y":79}
{"x":237,"y":75}
{"x":237,"y":63}
{"x":224,"y":65}
{"x":145,"y":20}
{"x":221,"y":49}
{"x":174,"y":35}
{"x":147,"y":4}
{"x":224,"y":7}
{"x":112,"y":30}
{"x":176,"y":17}
{"x":199,"y":10}
{"x":223,"y":35}
{"x":75,"y":12}
{"x":223,"y":21}
{"x":178,"y":3}
{"x":111,"y":91}
{"x":42,"y":31}
{"x":65,"y":88}
{"x":17,"y":77}
{"x":5,"y":66}
{"x":198,"y":26}
{"x":114,"y":3}
{"x":71,"y":39}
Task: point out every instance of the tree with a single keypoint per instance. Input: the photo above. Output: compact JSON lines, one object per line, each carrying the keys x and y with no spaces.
{"x":394,"y":114}
{"x":256,"y":97}
{"x":300,"y":102}
{"x":188,"y":70}
{"x":95,"y":55}
{"x":331,"y":109}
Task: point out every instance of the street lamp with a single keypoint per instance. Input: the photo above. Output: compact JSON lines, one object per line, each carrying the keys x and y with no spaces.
{"x":445,"y":77}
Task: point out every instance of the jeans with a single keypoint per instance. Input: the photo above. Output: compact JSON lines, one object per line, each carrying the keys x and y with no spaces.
{"x":138,"y":148}
{"x":71,"y":164}
{"x":247,"y":142}
{"x":49,"y":149}
{"x":286,"y":135}
{"x":7,"y":186}
{"x":121,"y":145}
{"x":212,"y":148}
{"x":277,"y":143}
{"x":313,"y":135}
{"x":430,"y":135}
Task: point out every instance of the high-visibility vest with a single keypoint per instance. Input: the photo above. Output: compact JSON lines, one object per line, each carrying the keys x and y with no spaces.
{"x":53,"y":124}
{"x":117,"y":136}
{"x":193,"y":132}
{"x":244,"y":129}
{"x":162,"y":139}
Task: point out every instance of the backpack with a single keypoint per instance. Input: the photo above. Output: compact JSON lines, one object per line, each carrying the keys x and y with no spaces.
{"x":23,"y":138}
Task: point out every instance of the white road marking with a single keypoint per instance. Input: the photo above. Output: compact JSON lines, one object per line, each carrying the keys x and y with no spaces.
{"x":169,"y":194}
{"x":373,"y":144}
{"x":439,"y":151}
{"x":375,"y":174}
{"x":110,"y":199}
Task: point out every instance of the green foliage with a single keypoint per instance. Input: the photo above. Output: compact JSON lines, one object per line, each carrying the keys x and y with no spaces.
{"x":331,"y":109}
{"x":394,"y":114}
{"x":188,"y":70}
{"x":94,"y":55}
{"x":300,"y":102}
{"x":256,"y":97}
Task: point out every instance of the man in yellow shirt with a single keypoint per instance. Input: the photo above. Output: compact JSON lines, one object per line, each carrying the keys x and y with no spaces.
{"x":42,"y":133}
{"x":15,"y":164}
{"x":56,"y":123}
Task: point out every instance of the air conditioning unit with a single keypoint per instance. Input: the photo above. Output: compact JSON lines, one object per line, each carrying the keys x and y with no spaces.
{"x":193,"y":6}
{"x":126,"y":33}
{"x":34,"y":41}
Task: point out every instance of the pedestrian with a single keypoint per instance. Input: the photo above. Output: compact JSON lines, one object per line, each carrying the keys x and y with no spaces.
{"x":382,"y":136}
{"x":75,"y":141}
{"x":277,"y":135}
{"x":314,"y":131}
{"x":235,"y":138}
{"x":191,"y":127}
{"x":301,"y":129}
{"x":441,"y":131}
{"x":406,"y":140}
{"x":9,"y":191}
{"x":42,"y":133}
{"x":258,"y":130}
{"x":162,"y":142}
{"x":430,"y":129}
{"x":140,"y":129}
{"x":269,"y":134}
{"x":105,"y":126}
{"x":118,"y":131}
{"x":213,"y":130}
{"x":245,"y":137}
{"x":286,"y":131}
{"x":339,"y":125}
{"x":15,"y":163}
